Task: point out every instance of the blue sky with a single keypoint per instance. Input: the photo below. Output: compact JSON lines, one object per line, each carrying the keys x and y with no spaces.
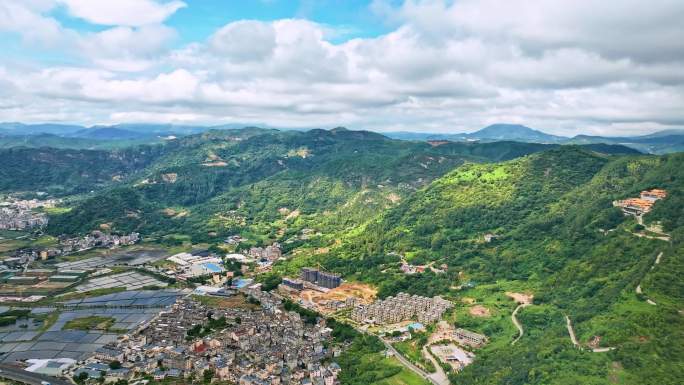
{"x":566,"y":67}
{"x":202,"y":17}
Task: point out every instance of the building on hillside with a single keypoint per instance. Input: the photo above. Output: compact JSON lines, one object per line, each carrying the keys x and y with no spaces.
{"x":403,"y":307}
{"x":489,"y":237}
{"x":653,"y":195}
{"x":643,"y":204}
{"x":469,"y":338}
{"x":293,"y":284}
{"x":321,"y":278}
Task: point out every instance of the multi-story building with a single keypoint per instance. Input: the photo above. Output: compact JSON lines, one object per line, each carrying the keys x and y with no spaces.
{"x":403,"y":307}
{"x":321,"y":278}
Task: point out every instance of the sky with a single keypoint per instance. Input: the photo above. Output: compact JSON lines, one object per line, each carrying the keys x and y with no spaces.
{"x":610,"y":67}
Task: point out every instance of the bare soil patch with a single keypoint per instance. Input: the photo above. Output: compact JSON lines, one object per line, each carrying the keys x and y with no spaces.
{"x":479,"y":311}
{"x":521,"y":298}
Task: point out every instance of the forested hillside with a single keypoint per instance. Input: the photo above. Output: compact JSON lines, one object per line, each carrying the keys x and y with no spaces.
{"x":264,"y":182}
{"x":558,"y":237}
{"x":67,"y":171}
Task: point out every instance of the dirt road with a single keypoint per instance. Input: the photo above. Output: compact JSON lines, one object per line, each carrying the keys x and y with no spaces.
{"x":517,"y":323}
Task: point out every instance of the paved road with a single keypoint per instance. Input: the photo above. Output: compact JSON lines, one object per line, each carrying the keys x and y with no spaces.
{"x":20,"y":375}
{"x":439,"y":375}
{"x":409,"y":365}
{"x":517,"y":323}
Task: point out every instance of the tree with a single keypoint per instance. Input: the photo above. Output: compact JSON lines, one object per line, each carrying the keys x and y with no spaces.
{"x":81,"y":377}
{"x":208,"y":375}
{"x":115,"y":365}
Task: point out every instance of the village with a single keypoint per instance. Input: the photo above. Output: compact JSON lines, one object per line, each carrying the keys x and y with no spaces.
{"x":253,"y":342}
{"x":18,"y":214}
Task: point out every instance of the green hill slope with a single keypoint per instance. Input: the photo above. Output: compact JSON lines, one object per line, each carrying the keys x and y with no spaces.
{"x":550,"y":212}
{"x":212,"y":185}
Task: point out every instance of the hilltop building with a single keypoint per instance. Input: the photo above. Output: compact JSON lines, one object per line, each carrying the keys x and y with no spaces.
{"x":643,"y":204}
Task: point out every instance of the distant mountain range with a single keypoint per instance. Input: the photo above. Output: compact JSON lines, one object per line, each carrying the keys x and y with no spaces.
{"x":35,"y":135}
{"x":114,"y":132}
{"x":657,"y":143}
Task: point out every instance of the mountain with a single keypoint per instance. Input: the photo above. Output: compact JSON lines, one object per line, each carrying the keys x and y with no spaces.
{"x":515,"y":132}
{"x":662,"y":142}
{"x":360,"y":204}
{"x":318,"y":173}
{"x":45,"y":140}
{"x":69,"y":171}
{"x":494,"y":132}
{"x":549,"y":211}
{"x":33,"y":129}
{"x":111,"y":133}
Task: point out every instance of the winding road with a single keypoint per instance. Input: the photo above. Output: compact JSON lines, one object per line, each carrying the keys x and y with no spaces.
{"x":573,"y":338}
{"x":638,"y":288}
{"x":517,"y":323}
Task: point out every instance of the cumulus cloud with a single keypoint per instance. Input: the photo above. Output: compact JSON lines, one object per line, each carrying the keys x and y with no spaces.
{"x":614,"y":67}
{"x":244,"y":41}
{"x":133,"y":13}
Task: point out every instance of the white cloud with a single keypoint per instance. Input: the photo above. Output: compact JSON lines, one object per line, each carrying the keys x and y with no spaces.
{"x":125,"y":48}
{"x":244,"y":41}
{"x":133,"y":13}
{"x":563,"y":66}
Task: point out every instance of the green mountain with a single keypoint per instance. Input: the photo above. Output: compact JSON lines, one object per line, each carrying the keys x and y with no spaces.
{"x":214,"y":184}
{"x":87,"y":143}
{"x":551,"y":212}
{"x":69,"y":171}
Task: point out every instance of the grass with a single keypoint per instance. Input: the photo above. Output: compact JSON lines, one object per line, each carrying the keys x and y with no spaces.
{"x":498,"y":327}
{"x":90,"y":323}
{"x":56,"y":210}
{"x":405,"y":377}
{"x":412,"y":350}
{"x":48,"y":320}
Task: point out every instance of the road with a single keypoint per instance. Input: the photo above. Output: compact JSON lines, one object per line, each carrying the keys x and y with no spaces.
{"x":410,"y":366}
{"x":439,"y":376}
{"x":517,"y":323}
{"x":571,"y":331}
{"x":573,"y":338}
{"x":638,"y":289}
{"x":16,"y":374}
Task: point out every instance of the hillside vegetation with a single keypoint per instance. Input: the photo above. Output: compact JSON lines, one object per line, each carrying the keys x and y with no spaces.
{"x":215,"y":184}
{"x":551,"y":213}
